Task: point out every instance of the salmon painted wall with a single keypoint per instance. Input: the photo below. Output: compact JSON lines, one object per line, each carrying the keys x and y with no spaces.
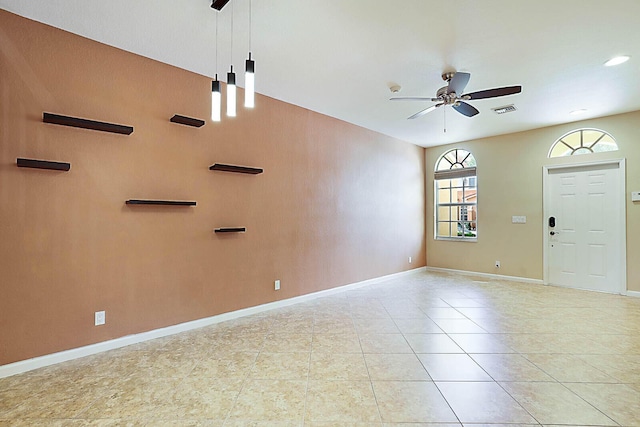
{"x":336,"y":204}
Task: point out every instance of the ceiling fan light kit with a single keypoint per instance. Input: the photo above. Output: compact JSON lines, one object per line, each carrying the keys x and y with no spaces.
{"x":452,"y":94}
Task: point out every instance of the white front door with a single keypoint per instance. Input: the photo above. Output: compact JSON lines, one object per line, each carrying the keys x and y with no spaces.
{"x":585,"y":245}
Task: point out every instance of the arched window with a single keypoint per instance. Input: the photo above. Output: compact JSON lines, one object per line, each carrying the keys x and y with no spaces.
{"x":583,"y":141}
{"x":456,"y":196}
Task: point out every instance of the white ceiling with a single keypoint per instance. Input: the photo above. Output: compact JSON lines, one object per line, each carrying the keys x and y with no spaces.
{"x":339,"y":57}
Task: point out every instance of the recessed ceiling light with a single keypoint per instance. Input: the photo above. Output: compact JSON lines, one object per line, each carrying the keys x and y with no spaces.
{"x":578,"y":112}
{"x":617,"y":60}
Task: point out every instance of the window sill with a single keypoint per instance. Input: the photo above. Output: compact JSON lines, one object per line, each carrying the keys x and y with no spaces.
{"x":457,"y":239}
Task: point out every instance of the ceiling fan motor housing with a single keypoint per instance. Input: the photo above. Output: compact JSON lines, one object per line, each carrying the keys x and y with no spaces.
{"x":447,"y":98}
{"x":448,"y":76}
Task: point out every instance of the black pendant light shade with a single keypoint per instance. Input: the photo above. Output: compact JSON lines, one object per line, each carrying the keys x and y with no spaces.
{"x":231,"y":93}
{"x":249,"y":82}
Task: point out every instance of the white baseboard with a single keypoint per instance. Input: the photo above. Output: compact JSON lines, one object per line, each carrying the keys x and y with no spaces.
{"x":487,"y":275}
{"x":76,"y":353}
{"x":634,"y":294}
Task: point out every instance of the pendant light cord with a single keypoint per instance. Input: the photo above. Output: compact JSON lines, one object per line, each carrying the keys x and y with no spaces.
{"x":249,"y":25}
{"x":216,"y":63}
{"x":231,"y":53}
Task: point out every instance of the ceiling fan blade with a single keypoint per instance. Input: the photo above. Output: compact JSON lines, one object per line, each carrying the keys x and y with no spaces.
{"x":423,"y":112}
{"x":458,"y":82}
{"x":493,"y":93}
{"x":465,"y":109}
{"x":414,"y":98}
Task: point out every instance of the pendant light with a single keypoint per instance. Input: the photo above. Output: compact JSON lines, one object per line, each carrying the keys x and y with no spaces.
{"x":231,"y":93}
{"x":249,"y":80}
{"x":249,"y":83}
{"x":216,"y":97}
{"x":231,"y":79}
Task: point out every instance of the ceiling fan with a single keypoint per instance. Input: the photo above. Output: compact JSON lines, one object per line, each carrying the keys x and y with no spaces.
{"x":451,"y":94}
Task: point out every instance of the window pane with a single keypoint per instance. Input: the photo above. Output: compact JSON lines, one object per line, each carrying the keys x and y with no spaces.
{"x":455,"y":213}
{"x":472,"y":213}
{"x":589,"y":136}
{"x":466,"y":229}
{"x":470,"y":162}
{"x":444,"y":196}
{"x":443,"y":229}
{"x":457,"y":182}
{"x":444,"y":213}
{"x":470,"y":195}
{"x":443,"y":183}
{"x":443,"y":165}
{"x":451,"y":157}
{"x":573,"y":139}
{"x":456,"y":195}
{"x":462,"y":155}
{"x":582,"y":150}
{"x":560,"y":150}
{"x":605,"y":144}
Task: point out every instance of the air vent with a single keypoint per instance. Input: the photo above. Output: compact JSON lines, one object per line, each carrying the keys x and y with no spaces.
{"x":504,"y":109}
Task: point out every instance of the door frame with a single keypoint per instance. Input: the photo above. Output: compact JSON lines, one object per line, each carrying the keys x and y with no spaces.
{"x":621,"y":163}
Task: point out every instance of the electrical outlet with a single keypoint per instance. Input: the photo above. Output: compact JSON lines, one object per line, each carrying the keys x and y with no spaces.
{"x":409,"y":260}
{"x":497,"y":264}
{"x":277,"y":285}
{"x":100,"y":318}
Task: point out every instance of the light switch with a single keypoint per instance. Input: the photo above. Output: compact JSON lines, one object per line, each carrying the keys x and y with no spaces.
{"x":518,"y":219}
{"x":635,"y":196}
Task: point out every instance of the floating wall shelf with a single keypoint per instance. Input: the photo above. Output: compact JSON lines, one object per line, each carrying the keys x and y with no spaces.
{"x":86,"y":124}
{"x":233,"y":168}
{"x":160,"y":202}
{"x":43,"y":164}
{"x":231,"y":230}
{"x":189,"y":121}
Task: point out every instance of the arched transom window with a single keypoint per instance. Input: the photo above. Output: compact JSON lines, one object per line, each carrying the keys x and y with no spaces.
{"x":583,"y":141}
{"x":456,"y":196}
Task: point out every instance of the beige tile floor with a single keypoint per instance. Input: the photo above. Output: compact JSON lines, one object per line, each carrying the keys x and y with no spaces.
{"x":424,"y":350}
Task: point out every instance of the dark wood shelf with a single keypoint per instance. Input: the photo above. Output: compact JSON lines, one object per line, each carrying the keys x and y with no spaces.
{"x":230,"y":230}
{"x":189,"y":121}
{"x":86,"y":124}
{"x":160,"y":202}
{"x":233,"y":168}
{"x":43,"y":164}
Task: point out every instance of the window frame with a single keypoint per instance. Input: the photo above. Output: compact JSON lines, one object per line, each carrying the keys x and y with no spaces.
{"x":459,"y":172}
{"x":574,"y":151}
